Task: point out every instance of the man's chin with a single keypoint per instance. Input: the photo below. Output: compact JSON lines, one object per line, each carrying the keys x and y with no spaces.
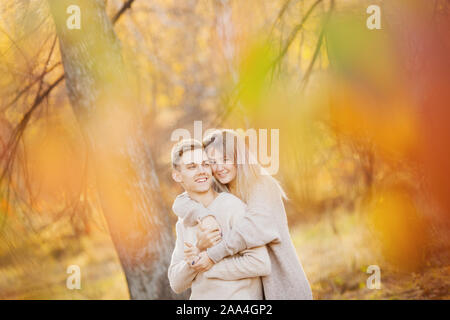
{"x":202,"y":189}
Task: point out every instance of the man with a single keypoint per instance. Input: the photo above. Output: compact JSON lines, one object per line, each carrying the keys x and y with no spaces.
{"x":237,"y":277}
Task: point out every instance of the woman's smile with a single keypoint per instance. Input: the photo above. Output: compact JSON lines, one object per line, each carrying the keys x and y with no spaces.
{"x":222,"y":173}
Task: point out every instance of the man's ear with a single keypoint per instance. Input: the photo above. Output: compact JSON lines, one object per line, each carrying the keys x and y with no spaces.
{"x":176,"y":176}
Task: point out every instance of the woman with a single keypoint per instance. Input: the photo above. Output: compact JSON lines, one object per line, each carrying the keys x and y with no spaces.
{"x":265,"y":221}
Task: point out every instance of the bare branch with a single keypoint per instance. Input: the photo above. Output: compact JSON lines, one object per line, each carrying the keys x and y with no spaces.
{"x":125,"y":7}
{"x":238,"y":89}
{"x":294,"y":32}
{"x":9,"y":151}
{"x":29,"y":86}
{"x":318,"y":46}
{"x":280,"y":15}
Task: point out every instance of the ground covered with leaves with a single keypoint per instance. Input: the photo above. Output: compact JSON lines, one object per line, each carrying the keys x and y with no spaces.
{"x":335,"y":253}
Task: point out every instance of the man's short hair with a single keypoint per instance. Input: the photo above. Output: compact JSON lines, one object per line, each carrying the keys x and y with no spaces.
{"x":181,"y":147}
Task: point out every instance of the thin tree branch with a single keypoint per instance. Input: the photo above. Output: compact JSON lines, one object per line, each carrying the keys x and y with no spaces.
{"x":294,"y":32}
{"x":318,"y":46}
{"x":279,"y":16}
{"x":116,"y":17}
{"x":221,"y":118}
{"x":125,"y":7}
{"x":29,"y":86}
{"x":18,"y":131}
{"x":10,"y":149}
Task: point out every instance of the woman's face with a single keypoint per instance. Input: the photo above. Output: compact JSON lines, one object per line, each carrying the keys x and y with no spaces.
{"x":223,"y":167}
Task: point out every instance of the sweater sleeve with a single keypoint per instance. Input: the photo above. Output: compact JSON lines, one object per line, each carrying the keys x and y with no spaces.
{"x":257,"y":227}
{"x":247,"y":264}
{"x":189,"y":210}
{"x":180,"y":274}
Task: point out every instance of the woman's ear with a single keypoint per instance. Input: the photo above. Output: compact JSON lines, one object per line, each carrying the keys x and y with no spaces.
{"x":176,"y":176}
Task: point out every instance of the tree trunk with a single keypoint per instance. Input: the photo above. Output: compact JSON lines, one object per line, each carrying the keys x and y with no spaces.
{"x":101,"y":94}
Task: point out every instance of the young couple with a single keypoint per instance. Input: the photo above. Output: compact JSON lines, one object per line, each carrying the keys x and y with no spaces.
{"x":233,"y":239}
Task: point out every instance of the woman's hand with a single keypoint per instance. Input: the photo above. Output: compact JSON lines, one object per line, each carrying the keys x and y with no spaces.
{"x":208,"y":233}
{"x":209,"y":223}
{"x":191,"y":253}
{"x":203,"y":263}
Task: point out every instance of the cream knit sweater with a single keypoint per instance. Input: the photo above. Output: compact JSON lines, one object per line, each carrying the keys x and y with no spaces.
{"x":237,"y":277}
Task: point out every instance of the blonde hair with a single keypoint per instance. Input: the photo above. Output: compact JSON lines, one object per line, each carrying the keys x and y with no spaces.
{"x":181,"y":147}
{"x":249,"y":171}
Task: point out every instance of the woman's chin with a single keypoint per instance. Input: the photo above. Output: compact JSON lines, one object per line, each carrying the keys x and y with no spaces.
{"x":224,"y":180}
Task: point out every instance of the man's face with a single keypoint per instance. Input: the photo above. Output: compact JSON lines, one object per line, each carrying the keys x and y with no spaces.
{"x":194,"y":171}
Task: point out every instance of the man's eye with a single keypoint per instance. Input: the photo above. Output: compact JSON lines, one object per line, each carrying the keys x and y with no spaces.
{"x":192,"y":166}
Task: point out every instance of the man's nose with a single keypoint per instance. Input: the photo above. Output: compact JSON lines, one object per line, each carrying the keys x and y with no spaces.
{"x":202,"y":168}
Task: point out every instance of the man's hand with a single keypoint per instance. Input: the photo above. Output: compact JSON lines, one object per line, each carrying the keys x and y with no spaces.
{"x":204,"y":263}
{"x":190,"y":252}
{"x":209,"y":235}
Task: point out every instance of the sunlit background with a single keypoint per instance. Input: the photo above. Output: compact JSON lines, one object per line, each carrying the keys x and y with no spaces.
{"x":362,"y":114}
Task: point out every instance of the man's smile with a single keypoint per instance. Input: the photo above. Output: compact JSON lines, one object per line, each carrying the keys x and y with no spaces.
{"x":201,"y":179}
